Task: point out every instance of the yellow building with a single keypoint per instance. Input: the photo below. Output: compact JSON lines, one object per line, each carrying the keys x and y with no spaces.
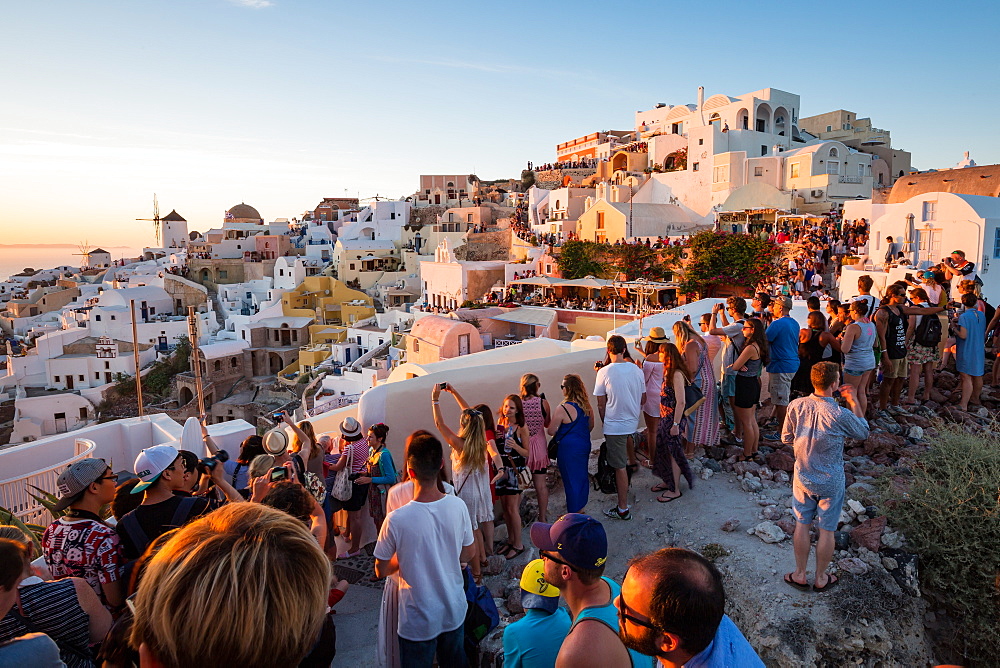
{"x":334,"y":306}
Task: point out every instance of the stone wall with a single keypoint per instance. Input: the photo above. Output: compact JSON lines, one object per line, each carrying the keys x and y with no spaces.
{"x":485,"y":246}
{"x":553,"y":178}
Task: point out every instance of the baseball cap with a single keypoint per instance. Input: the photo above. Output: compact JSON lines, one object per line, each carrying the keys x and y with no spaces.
{"x":928,"y":274}
{"x":151,"y":462}
{"x":76,"y":478}
{"x":535,"y":591}
{"x":579,"y":539}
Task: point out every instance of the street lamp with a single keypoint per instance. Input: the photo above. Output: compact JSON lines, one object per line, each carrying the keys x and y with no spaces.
{"x":643,"y":290}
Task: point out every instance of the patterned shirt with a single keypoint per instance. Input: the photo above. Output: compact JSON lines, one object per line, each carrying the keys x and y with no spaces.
{"x":816,"y":427}
{"x":83,"y":549}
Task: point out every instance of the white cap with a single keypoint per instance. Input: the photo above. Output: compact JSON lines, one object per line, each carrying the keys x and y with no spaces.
{"x":151,"y":462}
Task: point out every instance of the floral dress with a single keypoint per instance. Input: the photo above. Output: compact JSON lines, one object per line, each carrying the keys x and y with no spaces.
{"x":534,"y":420}
{"x":670,"y":448}
{"x":703,"y":428}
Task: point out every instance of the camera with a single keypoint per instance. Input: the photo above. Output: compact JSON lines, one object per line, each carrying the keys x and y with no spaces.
{"x":442,"y":386}
{"x":278,"y":473}
{"x":354,"y":476}
{"x":207,"y":464}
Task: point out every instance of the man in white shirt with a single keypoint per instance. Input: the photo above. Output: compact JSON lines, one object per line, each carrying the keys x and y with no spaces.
{"x":425,"y":543}
{"x":620,"y":390}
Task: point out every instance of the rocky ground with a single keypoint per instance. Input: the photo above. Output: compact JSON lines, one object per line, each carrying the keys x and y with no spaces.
{"x":739,"y":515}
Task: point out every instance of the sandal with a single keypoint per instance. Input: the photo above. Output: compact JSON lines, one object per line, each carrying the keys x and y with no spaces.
{"x":668,"y":499}
{"x":798,"y":585}
{"x":515,"y":553}
{"x":658,"y":488}
{"x":831,"y":580}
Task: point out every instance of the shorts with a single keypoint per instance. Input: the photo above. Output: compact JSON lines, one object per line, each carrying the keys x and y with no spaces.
{"x":918,"y":354}
{"x":729,"y":385}
{"x":618,"y":449}
{"x":359,"y":495}
{"x":856,"y":372}
{"x":747,"y":391}
{"x":781,"y":387}
{"x":824,"y":509}
{"x":897,"y":368}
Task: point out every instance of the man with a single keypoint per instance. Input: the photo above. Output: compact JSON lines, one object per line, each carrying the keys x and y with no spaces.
{"x":534,"y":640}
{"x":816,"y":427}
{"x":732,"y":343}
{"x":956,"y":266}
{"x":783,"y":340}
{"x":865,"y":284}
{"x":161,"y":472}
{"x":970,"y":356}
{"x":425,"y":542}
{"x":620,"y":389}
{"x":36,"y":650}
{"x":79,"y":544}
{"x":890,"y":252}
{"x":671,"y":606}
{"x":575,"y":550}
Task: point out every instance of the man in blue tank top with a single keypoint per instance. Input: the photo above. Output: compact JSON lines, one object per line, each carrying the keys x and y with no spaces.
{"x":575,"y":549}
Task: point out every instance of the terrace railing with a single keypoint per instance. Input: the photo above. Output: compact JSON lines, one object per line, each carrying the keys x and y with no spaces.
{"x":15,"y":493}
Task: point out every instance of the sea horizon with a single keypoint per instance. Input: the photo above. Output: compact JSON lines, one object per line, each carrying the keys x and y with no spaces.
{"x":15,"y":258}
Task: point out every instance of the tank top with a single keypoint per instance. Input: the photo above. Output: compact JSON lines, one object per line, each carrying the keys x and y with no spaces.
{"x":812,"y":351}
{"x":862,"y":354}
{"x":895,"y":334}
{"x":608,"y":615}
{"x":752,"y":366}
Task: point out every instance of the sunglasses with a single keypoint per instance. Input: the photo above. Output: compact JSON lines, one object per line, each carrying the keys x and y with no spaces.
{"x":623,"y":614}
{"x":548,"y":555}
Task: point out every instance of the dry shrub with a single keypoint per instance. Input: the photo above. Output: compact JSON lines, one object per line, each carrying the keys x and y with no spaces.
{"x":950,"y":513}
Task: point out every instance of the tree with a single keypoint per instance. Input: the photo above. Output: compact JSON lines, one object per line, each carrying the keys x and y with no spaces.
{"x":718,"y":258}
{"x":581,"y":258}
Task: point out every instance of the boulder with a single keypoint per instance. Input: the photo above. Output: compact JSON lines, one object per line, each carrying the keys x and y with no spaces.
{"x":751,"y":484}
{"x":732,"y":524}
{"x":781,"y":476}
{"x":746,"y":467}
{"x":852,"y":565}
{"x":769,"y":532}
{"x":772,"y":513}
{"x":945,"y":380}
{"x":707,"y":473}
{"x":786,"y":525}
{"x":513,"y":601}
{"x":869,"y":534}
{"x":713,"y":465}
{"x":916,"y":433}
{"x":781,"y":461}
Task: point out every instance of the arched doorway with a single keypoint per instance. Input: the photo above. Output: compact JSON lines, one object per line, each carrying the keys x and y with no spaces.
{"x":275,"y":363}
{"x":184,"y":396}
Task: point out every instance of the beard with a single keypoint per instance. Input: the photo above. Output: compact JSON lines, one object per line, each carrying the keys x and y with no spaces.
{"x":644,"y":642}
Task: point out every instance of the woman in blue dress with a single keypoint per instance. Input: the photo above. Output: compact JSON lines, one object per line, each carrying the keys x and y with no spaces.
{"x":970,"y":356}
{"x":571,"y":423}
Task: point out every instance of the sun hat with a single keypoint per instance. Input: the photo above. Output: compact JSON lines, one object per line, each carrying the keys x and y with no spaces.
{"x":350,"y":429}
{"x":535,"y":591}
{"x":657,"y":335}
{"x":579,"y":539}
{"x":73,"y":482}
{"x":151,"y":462}
{"x":275,"y":442}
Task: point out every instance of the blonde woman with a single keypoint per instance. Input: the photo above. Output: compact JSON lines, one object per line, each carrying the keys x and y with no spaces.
{"x":537,"y":415}
{"x":703,"y":429}
{"x":305,"y":445}
{"x":469,"y":453}
{"x":572,"y":422}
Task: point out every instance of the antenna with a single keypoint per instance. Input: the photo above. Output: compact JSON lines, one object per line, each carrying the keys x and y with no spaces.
{"x":155,"y":219}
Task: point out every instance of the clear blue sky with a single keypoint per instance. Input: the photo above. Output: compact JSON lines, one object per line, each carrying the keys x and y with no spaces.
{"x":281,"y":102}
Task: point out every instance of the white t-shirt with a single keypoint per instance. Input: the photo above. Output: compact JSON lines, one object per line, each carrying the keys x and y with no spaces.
{"x":623,"y":384}
{"x":427,"y":539}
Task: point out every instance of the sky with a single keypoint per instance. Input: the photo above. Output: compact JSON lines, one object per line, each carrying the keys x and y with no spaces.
{"x":279,"y":103}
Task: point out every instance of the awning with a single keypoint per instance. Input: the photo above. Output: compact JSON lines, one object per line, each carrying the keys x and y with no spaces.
{"x":528,"y":316}
{"x":592,"y":283}
{"x":538,"y":280}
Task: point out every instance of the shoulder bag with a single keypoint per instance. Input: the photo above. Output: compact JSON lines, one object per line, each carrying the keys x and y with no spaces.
{"x":342,"y":488}
{"x":554,"y":441}
{"x":693,"y":398}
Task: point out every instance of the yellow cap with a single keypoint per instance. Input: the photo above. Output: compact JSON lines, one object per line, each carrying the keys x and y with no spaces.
{"x":533,"y":580}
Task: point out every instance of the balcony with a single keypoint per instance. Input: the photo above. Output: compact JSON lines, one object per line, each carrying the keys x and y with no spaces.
{"x":851,"y":179}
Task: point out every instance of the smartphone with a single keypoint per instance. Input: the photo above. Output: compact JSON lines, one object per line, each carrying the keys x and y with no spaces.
{"x":277,"y":417}
{"x":442,"y":386}
{"x":279,"y":473}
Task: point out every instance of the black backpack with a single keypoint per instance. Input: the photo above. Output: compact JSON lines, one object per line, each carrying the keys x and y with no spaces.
{"x":928,"y":332}
{"x":604,"y":480}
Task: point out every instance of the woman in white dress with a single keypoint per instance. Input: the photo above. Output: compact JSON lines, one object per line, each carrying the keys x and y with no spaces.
{"x":469,"y":452}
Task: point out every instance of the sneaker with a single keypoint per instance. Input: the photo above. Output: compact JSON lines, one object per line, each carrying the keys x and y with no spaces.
{"x":771,"y":436}
{"x":616,"y":514}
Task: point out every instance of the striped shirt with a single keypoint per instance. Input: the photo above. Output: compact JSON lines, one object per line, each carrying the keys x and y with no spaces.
{"x":52,"y":608}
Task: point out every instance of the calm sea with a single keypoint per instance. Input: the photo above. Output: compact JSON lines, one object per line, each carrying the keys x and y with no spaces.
{"x":14,"y":259}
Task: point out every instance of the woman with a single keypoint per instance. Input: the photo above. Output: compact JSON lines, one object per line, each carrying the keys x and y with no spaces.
{"x":813,"y":344}
{"x":919,"y":358}
{"x":858,"y":346}
{"x":489,"y":429}
{"x":752,"y":358}
{"x":239,"y":470}
{"x":571,"y":424}
{"x":536,"y":417}
{"x":704,"y":427}
{"x":652,"y":371}
{"x":671,"y":462}
{"x":469,"y":454}
{"x":67,"y":610}
{"x":353,"y":447}
{"x":381,"y":474}
{"x":514,"y":455}
{"x":305,"y":446}
{"x":833,"y":313}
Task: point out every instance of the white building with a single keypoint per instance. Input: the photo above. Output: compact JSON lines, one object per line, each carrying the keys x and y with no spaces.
{"x":380,"y":220}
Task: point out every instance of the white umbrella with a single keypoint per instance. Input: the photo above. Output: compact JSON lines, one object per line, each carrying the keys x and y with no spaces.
{"x":191,"y":439}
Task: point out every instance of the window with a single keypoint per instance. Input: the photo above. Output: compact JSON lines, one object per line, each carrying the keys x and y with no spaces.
{"x":834,"y":153}
{"x":847,"y":126}
{"x":470,"y":218}
{"x":392,"y":215}
{"x":56,"y":379}
{"x":861,"y":169}
{"x":829,"y":128}
{"x":795,"y":170}
{"x":113,"y":318}
{"x":83,"y":412}
{"x":929,"y":210}
{"x":763,"y":149}
{"x":107,"y":365}
{"x":233,"y":363}
{"x":97,"y":375}
{"x":600,"y":220}
{"x":416,"y":345}
{"x":696,"y":167}
{"x":223,"y":274}
{"x":60,"y":416}
{"x":97,"y":318}
{"x":833,"y":167}
{"x":701,"y":142}
{"x":758,"y":171}
{"x":996,"y":243}
{"x":352,"y":266}
{"x":82,"y":378}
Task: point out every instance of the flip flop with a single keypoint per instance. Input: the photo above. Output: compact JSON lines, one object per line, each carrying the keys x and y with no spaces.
{"x":831,"y":580}
{"x":660,"y":487}
{"x":646,"y":463}
{"x":797,"y":585}
{"x":515,"y":553}
{"x":668,"y":499}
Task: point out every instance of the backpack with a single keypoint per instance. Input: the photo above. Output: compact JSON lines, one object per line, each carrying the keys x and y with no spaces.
{"x":481,"y":615}
{"x":989,"y":311}
{"x":928,"y":332}
{"x":604,"y":479}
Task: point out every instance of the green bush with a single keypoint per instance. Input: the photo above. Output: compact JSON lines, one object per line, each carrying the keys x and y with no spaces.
{"x":950,"y":513}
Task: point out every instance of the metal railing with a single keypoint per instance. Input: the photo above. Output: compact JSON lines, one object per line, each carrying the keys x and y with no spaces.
{"x":15,"y":493}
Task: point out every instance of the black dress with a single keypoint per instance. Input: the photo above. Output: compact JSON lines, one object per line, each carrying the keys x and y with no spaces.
{"x":810,"y":353}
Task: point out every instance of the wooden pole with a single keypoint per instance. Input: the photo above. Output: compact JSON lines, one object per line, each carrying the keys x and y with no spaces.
{"x":135,"y":358}
{"x":193,"y":336}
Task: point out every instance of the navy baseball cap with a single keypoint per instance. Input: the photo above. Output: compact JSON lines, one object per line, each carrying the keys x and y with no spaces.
{"x":579,"y":539}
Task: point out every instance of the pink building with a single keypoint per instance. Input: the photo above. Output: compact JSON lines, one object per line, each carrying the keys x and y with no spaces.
{"x":434,"y":338}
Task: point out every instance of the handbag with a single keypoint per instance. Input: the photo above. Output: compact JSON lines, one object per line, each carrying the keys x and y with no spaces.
{"x":693,"y":398}
{"x":523,"y":478}
{"x":553,"y":447}
{"x":342,"y":488}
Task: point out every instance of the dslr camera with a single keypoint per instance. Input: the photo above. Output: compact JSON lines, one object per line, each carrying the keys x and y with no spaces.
{"x":207,"y":464}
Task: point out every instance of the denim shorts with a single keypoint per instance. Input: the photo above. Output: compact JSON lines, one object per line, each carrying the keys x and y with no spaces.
{"x":854,"y":372}
{"x":824,"y":509}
